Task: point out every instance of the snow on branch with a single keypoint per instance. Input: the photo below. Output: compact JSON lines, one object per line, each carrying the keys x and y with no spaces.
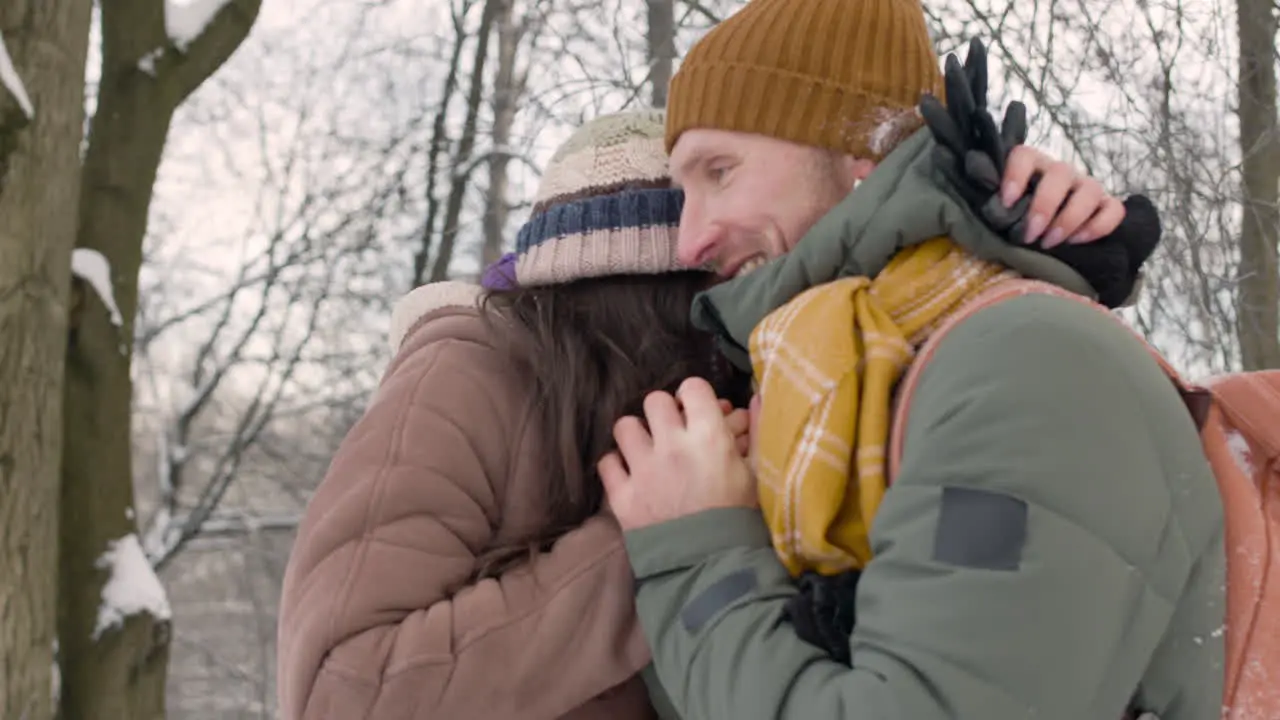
{"x":246,"y":524}
{"x":147,"y":63}
{"x":132,"y":588}
{"x":93,"y":268}
{"x":185,"y":20}
{"x":10,"y":81}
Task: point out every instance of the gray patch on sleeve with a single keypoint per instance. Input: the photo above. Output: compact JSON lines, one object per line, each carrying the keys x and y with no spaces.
{"x":980,"y":530}
{"x":717,"y":597}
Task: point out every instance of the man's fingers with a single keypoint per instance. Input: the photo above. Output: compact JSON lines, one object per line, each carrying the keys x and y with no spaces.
{"x":975,"y":67}
{"x":613,"y":475}
{"x":990,"y":147}
{"x":1086,"y":198}
{"x":699,"y":401}
{"x":1021,"y":164}
{"x":662,"y":412}
{"x":960,"y":102}
{"x":1108,"y":217}
{"x":633,"y":440}
{"x":1013,"y":129}
{"x":942,"y":125}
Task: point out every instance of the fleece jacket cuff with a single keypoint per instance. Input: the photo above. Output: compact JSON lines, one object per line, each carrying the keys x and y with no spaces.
{"x":690,"y":540}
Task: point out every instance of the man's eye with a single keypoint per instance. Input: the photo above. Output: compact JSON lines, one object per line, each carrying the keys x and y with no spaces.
{"x":717,"y":173}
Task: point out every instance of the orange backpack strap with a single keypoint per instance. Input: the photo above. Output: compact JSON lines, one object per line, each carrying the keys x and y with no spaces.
{"x":1196,"y":398}
{"x":1251,"y":403}
{"x":1242,"y":441}
{"x":907,"y":386}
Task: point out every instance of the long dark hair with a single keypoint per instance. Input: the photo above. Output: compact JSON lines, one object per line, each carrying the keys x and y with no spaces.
{"x":594,"y":348}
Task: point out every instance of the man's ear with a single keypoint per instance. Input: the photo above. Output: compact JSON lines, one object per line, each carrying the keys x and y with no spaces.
{"x":862,"y":168}
{"x":854,"y":170}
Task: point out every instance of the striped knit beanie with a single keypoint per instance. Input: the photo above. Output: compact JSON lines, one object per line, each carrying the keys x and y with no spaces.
{"x":843,"y":75}
{"x":605,"y":205}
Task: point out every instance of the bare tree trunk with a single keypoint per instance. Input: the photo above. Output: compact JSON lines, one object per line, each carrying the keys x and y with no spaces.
{"x":507,"y":89}
{"x":461,"y":165}
{"x":440,"y":138}
{"x":662,"y":47}
{"x":119,"y":671}
{"x":39,"y":184}
{"x":1258,"y":306}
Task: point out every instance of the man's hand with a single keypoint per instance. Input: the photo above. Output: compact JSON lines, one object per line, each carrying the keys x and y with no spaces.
{"x":687,"y":461}
{"x":1025,"y":196}
{"x":1066,"y":206}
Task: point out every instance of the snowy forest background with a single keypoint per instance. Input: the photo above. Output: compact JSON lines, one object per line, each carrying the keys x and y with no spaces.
{"x":257,"y":183}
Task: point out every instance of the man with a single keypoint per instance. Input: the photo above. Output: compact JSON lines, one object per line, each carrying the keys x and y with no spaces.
{"x":1051,"y":546}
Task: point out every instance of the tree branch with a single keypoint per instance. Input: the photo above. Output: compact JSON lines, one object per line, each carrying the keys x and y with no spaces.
{"x":237,"y":524}
{"x":229,"y":27}
{"x":703,"y":10}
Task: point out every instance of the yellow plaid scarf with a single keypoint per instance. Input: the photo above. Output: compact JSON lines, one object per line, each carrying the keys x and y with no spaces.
{"x":825,"y":391}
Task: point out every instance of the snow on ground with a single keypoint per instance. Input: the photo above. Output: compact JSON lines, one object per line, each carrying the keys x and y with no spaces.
{"x":132,"y":588}
{"x":93,"y":267}
{"x":184,"y":20}
{"x":11,"y":82}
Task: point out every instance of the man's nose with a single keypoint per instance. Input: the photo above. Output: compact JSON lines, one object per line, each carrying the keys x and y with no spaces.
{"x":699,"y":241}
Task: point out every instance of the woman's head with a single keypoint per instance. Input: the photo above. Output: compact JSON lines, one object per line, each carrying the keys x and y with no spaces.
{"x":594,"y":348}
{"x":599,"y":315}
{"x":604,"y":207}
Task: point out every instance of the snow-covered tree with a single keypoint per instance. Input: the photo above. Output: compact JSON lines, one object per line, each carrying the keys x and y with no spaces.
{"x":42,"y":52}
{"x":114,"y":620}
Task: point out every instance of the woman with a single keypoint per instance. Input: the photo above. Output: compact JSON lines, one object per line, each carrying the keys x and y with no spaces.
{"x":457,"y":562}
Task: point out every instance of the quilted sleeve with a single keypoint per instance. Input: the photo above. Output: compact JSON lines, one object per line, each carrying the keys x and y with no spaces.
{"x":378,"y":619}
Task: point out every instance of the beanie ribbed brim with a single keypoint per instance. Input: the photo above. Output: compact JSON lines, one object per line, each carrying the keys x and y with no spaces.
{"x":599,"y":253}
{"x":633,"y":231}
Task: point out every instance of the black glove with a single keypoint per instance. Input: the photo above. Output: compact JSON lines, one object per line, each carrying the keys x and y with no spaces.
{"x":971,"y":153}
{"x":823,"y":611}
{"x":1113,"y":264}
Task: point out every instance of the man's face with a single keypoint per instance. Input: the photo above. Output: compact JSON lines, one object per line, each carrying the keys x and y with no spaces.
{"x":750,"y":198}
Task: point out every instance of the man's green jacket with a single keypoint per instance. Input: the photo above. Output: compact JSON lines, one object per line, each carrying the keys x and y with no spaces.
{"x":1052,"y":547}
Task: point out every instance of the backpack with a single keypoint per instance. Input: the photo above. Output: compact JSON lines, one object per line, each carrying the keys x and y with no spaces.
{"x":1238,"y":416}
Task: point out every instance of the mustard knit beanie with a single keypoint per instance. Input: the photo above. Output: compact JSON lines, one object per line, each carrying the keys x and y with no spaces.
{"x":605,"y":205}
{"x":844,"y":75}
